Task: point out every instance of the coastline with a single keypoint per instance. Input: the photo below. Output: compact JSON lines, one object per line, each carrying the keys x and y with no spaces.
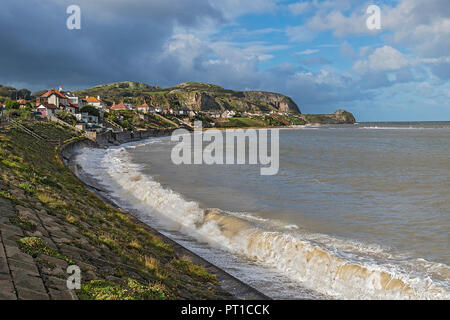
{"x":234,"y":286}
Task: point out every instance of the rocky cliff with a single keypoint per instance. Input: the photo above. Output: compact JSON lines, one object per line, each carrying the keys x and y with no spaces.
{"x":194,"y":96}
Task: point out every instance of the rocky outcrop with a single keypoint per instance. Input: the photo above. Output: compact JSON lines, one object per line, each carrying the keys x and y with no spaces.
{"x":342,"y":116}
{"x":338,"y":117}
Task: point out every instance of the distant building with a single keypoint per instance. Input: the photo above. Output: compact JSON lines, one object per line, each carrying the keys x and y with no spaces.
{"x":96,"y":102}
{"x":215,"y":115}
{"x":118,"y":107}
{"x":53,"y":97}
{"x":87,"y":118}
{"x":167,"y":110}
{"x":143,"y":108}
{"x":71,"y":108}
{"x":47,"y":109}
{"x":74,"y":100}
{"x":183,"y":112}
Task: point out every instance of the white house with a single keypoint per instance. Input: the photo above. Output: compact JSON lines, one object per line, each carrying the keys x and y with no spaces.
{"x":87,"y":118}
{"x":96,"y":102}
{"x":47,"y":109}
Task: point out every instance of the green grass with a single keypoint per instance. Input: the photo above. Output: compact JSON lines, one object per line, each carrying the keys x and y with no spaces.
{"x":131,"y":290}
{"x":194,"y":270}
{"x":23,"y":223}
{"x":29,"y":189}
{"x":240,"y":122}
{"x":35,"y":246}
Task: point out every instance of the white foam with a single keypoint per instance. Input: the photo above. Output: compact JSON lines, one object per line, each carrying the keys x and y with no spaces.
{"x":337,"y":268}
{"x":396,"y":128}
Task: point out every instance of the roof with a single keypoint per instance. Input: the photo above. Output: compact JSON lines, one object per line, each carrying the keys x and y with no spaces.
{"x":53,"y":91}
{"x":119,"y":106}
{"x":92,"y":99}
{"x":47,"y":105}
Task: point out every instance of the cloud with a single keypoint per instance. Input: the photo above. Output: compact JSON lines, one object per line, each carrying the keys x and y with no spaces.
{"x":118,"y":40}
{"x":299,"y":8}
{"x":308,"y":51}
{"x":422,"y":26}
{"x":385,"y":58}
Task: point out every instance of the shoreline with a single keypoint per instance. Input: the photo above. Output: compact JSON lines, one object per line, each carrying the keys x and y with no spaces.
{"x":234,"y":286}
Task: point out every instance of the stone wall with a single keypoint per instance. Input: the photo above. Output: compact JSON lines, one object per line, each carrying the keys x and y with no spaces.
{"x":115,"y":138}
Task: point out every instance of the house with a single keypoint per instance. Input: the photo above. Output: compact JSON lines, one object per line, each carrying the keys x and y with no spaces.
{"x":118,"y":107}
{"x":71,"y":108}
{"x":74,"y":100}
{"x":96,"y":102}
{"x":183,"y":112}
{"x":227,"y":114}
{"x":215,"y":115}
{"x":167,"y":110}
{"x":231,"y":113}
{"x":87,"y":118}
{"x":53,"y":97}
{"x":143,"y":108}
{"x":82,"y":102}
{"x":22,"y":103}
{"x":47,"y":109}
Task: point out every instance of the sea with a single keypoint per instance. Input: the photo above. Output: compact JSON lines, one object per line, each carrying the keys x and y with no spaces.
{"x":355,"y":212}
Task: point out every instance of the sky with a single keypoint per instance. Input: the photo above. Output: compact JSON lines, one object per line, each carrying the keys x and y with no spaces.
{"x":321,"y":53}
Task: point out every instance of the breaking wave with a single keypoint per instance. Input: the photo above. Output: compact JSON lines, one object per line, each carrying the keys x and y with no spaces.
{"x":334,"y":267}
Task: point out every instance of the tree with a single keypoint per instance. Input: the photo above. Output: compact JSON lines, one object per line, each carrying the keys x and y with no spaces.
{"x":11,"y":104}
{"x":91,"y":110}
{"x":24,"y":94}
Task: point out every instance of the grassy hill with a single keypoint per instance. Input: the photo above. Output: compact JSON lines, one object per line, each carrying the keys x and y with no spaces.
{"x":192,"y":95}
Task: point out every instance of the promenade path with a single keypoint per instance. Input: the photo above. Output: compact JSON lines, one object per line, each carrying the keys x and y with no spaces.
{"x":20,"y":275}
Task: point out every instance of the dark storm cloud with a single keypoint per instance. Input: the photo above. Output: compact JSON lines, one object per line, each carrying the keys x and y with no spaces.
{"x":119,"y":40}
